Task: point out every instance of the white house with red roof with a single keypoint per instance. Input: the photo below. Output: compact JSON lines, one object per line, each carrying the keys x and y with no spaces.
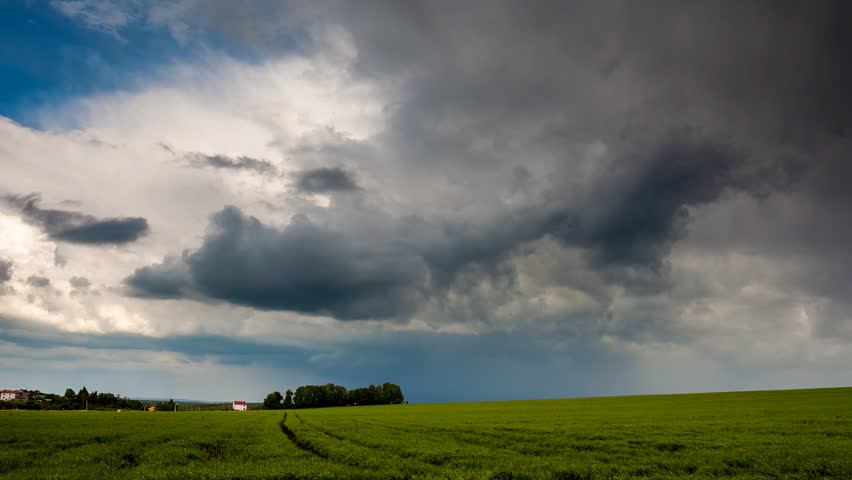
{"x":9,"y":395}
{"x":240,"y":405}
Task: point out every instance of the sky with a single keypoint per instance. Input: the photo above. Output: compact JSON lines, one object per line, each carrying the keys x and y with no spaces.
{"x":477,"y":200}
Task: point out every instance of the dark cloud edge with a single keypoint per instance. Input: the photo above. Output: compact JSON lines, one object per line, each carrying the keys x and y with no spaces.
{"x":78,"y":228}
{"x":637,"y":216}
{"x":225,"y":162}
{"x":327,"y":180}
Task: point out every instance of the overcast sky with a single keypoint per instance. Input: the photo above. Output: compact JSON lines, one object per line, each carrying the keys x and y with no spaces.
{"x":475,"y":200}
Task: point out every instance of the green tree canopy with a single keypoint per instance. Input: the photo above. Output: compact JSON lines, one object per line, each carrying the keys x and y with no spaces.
{"x":330,"y":395}
{"x":273,"y":401}
{"x":83,"y":395}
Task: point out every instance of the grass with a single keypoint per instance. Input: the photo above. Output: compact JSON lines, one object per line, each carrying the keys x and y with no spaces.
{"x":780,"y":434}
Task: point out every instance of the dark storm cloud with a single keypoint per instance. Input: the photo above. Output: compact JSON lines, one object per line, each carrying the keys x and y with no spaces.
{"x":362,"y":274}
{"x":224,"y":162}
{"x":38,"y":281}
{"x":769,"y":77}
{"x":303,"y":267}
{"x":650,"y":208}
{"x":631,"y":218}
{"x":324,"y":180}
{"x":763,"y":83}
{"x":76,"y":227}
{"x":307,"y":268}
{"x":502,"y":86}
{"x":751,"y":58}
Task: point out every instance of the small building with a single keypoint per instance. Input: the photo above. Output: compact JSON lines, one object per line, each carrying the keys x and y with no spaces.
{"x":22,"y":395}
{"x":240,"y":405}
{"x":7,"y":395}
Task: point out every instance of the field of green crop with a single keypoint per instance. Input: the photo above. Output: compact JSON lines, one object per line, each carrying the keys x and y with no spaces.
{"x":780,"y":434}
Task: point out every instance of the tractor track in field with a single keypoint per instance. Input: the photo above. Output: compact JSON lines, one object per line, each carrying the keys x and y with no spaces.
{"x":325,"y":432}
{"x":423,"y":465}
{"x":370,"y":446}
{"x":295,"y":440}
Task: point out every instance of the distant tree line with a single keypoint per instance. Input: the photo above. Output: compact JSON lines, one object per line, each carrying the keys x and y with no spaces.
{"x":165,"y":406}
{"x":331,"y":395}
{"x":72,"y":400}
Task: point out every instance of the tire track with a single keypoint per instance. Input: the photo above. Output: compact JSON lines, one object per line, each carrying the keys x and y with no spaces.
{"x":422,"y":465}
{"x":298,"y":443}
{"x":461,"y":440}
{"x":324,"y":432}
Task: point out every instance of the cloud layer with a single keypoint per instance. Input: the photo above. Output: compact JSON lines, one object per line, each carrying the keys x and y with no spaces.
{"x":600,"y":188}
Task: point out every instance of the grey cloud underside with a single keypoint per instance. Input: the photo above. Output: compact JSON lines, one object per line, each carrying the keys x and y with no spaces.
{"x":38,"y":281}
{"x":324,"y":180}
{"x":363,"y":273}
{"x":6,"y":268}
{"x":76,"y":227}
{"x":240,"y":163}
{"x":651,"y":205}
{"x":303,"y":267}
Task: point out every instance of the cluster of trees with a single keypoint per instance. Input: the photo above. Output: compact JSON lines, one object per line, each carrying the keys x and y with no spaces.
{"x":331,"y":395}
{"x":165,"y":406}
{"x":385,"y":394}
{"x":72,"y":400}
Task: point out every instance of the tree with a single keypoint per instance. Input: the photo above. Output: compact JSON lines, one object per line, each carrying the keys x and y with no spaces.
{"x":392,"y":394}
{"x":288,"y":399}
{"x":84,"y":397}
{"x":273,"y":401}
{"x":69,"y":393}
{"x":165,"y":406}
{"x":300,"y":398}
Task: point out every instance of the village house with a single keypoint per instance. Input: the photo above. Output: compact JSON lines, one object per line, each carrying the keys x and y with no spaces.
{"x":9,"y":395}
{"x":240,"y":405}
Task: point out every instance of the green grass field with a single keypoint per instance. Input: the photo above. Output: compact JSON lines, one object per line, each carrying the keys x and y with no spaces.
{"x":779,"y":434}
